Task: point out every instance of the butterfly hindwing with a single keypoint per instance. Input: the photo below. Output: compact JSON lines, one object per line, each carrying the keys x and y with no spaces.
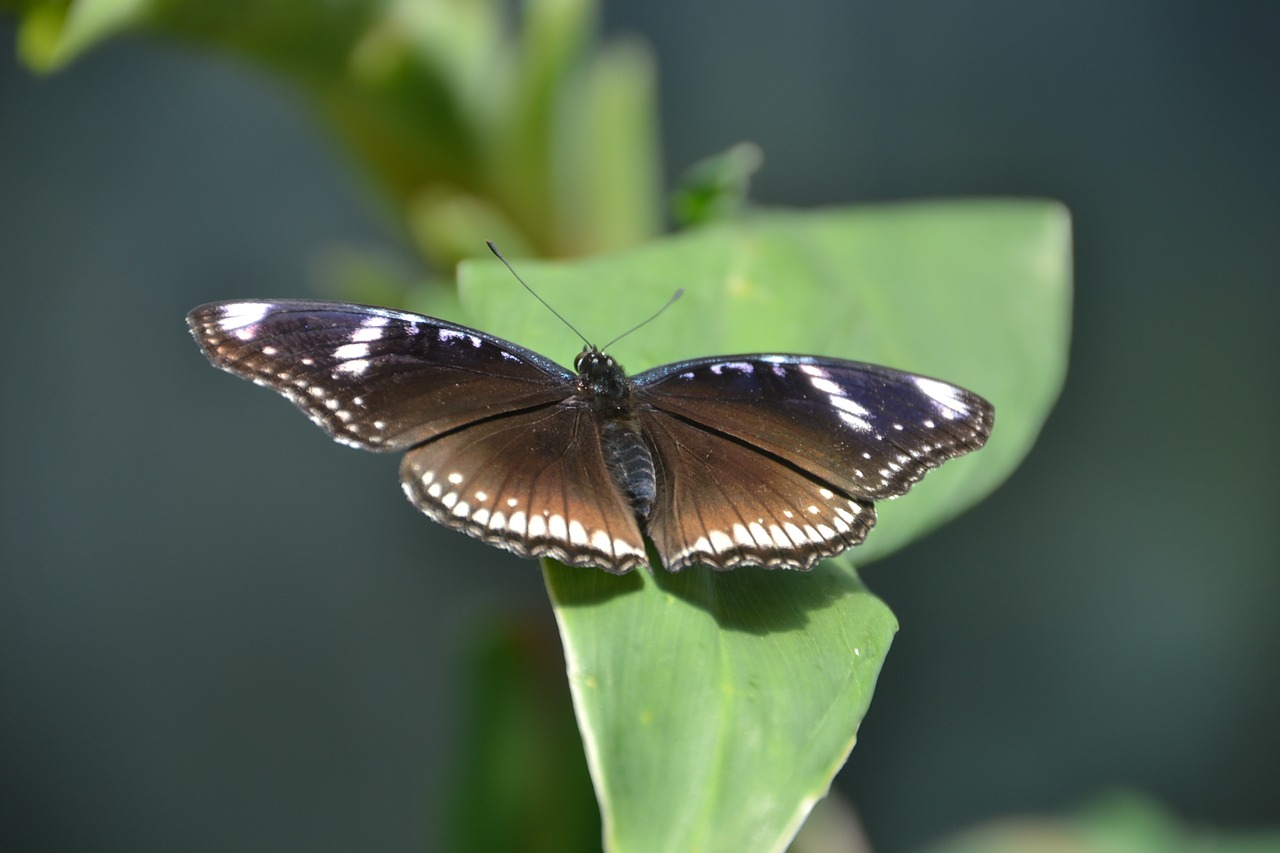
{"x":534,"y":483}
{"x":867,"y":431}
{"x":372,"y":377}
{"x":724,"y":504}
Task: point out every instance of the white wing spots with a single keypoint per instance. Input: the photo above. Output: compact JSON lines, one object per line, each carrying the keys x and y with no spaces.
{"x":449,"y":500}
{"x":349,"y":351}
{"x":761,"y":536}
{"x":359,"y":402}
{"x":513,"y":502}
{"x":237,"y":318}
{"x":849,"y":411}
{"x":481,"y":497}
{"x":898,"y":427}
{"x":719,"y":541}
{"x":947,"y":397}
{"x":316,"y":391}
{"x":827,"y":494}
{"x":355,"y":367}
{"x":826,"y":386}
{"x":537,"y":527}
{"x":435,"y":490}
{"x":480,"y":516}
{"x":848,"y":406}
{"x":455,"y":478}
{"x":371,"y":329}
{"x":379,"y":425}
{"x":621,"y":548}
{"x":601,"y":542}
{"x":269,"y":350}
{"x":557,"y":528}
{"x":737,"y":366}
{"x":307,"y":361}
{"x":516,"y":525}
{"x":455,"y":335}
{"x":577,"y":534}
{"x":928,"y":423}
{"x":813,"y":509}
{"x":462,"y":509}
{"x":856,"y":422}
{"x":688,"y":374}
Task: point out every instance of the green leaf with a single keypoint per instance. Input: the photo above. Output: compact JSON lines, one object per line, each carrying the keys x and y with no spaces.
{"x":715,"y":708}
{"x":605,"y":161}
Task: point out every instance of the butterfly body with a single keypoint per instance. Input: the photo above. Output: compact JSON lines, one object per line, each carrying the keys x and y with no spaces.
{"x":771,"y":460}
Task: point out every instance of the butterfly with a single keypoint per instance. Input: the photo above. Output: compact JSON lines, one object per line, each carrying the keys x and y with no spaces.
{"x":764,"y":460}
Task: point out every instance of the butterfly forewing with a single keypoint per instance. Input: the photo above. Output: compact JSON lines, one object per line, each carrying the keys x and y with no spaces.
{"x":534,"y":483}
{"x":864,"y":430}
{"x":372,"y":377}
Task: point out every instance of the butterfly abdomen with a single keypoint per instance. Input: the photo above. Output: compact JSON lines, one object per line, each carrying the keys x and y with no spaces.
{"x":629,"y":461}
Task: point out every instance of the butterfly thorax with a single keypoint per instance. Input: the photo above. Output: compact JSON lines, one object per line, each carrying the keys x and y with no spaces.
{"x":601,"y":380}
{"x":605,"y":388}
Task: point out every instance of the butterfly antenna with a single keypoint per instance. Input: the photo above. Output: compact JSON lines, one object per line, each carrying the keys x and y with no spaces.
{"x":656,"y":314}
{"x":494,"y":249}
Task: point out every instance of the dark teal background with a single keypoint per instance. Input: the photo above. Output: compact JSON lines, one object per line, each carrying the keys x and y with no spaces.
{"x":220,"y":631}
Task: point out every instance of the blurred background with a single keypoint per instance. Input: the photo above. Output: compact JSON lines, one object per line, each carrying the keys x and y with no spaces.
{"x":171,"y":677}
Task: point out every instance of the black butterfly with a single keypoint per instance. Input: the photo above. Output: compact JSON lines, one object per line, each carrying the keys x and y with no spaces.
{"x":763,"y":460}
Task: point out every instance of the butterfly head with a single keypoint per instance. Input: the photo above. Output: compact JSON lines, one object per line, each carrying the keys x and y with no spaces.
{"x":599,"y":374}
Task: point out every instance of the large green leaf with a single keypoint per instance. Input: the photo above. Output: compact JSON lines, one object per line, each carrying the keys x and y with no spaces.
{"x":715,"y":708}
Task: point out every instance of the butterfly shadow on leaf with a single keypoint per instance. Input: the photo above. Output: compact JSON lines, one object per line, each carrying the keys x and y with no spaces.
{"x":762,"y":601}
{"x":750,"y":600}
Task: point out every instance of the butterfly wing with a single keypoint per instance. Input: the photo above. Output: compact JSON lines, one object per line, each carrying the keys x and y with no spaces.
{"x":499,"y":448}
{"x":534,"y":482}
{"x":372,"y":377}
{"x":764,"y":438}
{"x":724,"y":504}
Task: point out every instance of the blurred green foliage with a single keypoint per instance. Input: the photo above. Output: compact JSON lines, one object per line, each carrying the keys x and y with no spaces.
{"x":472,"y":125}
